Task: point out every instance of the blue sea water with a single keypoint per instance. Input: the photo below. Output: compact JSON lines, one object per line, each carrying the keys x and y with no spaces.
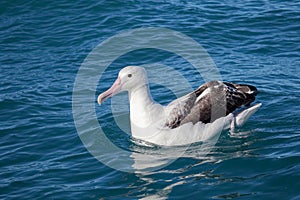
{"x":42,"y":47}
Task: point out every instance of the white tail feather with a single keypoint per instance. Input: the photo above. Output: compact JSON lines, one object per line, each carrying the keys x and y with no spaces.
{"x":243,"y":116}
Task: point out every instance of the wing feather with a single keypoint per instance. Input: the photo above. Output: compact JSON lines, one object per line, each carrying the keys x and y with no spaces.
{"x":209,"y":102}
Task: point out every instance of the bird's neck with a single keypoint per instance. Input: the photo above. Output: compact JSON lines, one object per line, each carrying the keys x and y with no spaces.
{"x":140,"y":96}
{"x":142,"y":106}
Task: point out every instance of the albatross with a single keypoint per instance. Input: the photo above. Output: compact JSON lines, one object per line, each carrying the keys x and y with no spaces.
{"x":197,"y":116}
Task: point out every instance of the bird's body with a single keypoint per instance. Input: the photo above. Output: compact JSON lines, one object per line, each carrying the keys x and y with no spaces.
{"x":197,"y":116}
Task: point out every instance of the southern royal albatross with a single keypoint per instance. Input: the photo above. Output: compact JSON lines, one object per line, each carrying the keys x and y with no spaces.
{"x":197,"y":116}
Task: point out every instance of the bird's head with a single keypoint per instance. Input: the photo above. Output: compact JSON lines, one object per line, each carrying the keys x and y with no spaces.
{"x":129,"y":78}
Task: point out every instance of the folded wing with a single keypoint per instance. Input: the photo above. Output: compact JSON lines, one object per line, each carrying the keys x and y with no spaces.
{"x":209,"y":102}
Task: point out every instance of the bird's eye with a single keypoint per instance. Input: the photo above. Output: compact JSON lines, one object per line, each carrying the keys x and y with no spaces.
{"x":129,"y":75}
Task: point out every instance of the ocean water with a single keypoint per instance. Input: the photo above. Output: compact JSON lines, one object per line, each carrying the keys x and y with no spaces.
{"x":43,"y":45}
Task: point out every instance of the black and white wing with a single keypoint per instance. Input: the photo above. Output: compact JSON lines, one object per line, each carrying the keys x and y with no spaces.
{"x":209,"y":102}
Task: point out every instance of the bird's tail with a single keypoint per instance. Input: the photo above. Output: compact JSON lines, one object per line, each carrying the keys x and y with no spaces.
{"x":241,"y":118}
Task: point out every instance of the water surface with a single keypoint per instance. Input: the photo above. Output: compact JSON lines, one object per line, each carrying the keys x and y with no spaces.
{"x":42,"y":46}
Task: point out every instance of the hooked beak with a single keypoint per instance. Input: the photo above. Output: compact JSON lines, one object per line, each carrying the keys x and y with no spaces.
{"x":114,"y":89}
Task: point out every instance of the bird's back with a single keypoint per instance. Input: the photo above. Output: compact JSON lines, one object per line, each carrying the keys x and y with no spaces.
{"x":209,"y":102}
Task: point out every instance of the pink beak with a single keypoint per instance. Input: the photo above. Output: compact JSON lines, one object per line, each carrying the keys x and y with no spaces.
{"x":114,"y":89}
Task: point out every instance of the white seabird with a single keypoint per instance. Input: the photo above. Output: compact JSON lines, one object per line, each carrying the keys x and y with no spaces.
{"x":198,"y":116}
